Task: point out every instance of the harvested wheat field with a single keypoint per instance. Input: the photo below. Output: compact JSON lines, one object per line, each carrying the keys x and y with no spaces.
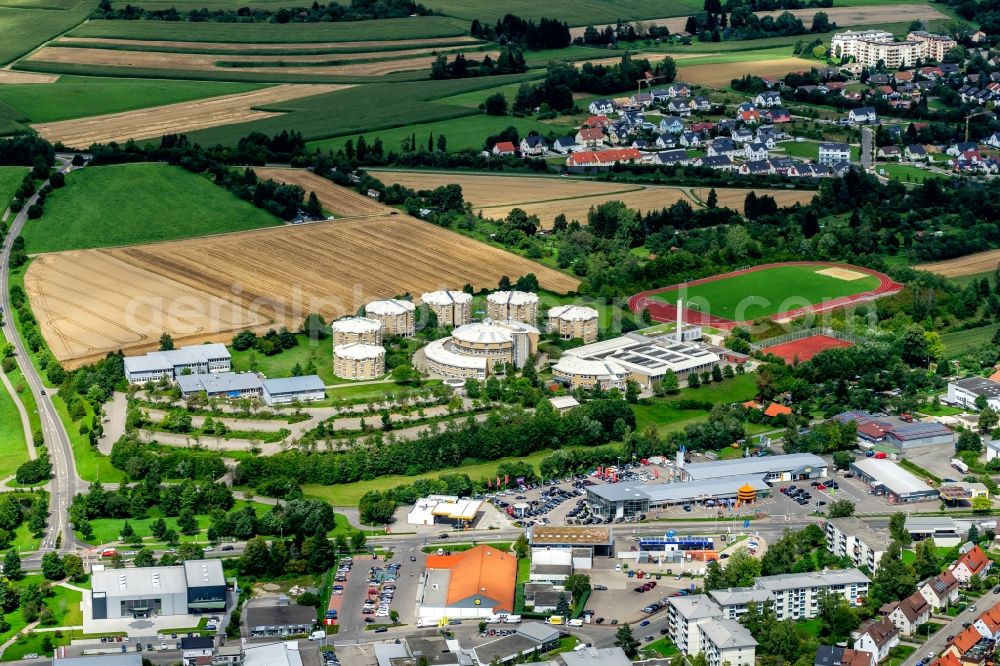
{"x":90,"y":302}
{"x":721,"y":74}
{"x":359,"y":47}
{"x":979,"y":262}
{"x":494,"y":191}
{"x":10,"y":77}
{"x":392,"y":61}
{"x":176,"y":118}
{"x":734,"y":198}
{"x":652,"y":198}
{"x":340,"y":201}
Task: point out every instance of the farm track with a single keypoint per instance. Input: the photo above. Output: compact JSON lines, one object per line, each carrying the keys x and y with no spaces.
{"x":209,"y":288}
{"x":340,"y":201}
{"x":176,"y":118}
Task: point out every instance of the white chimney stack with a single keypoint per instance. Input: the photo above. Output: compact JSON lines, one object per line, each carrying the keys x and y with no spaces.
{"x":680,"y":320}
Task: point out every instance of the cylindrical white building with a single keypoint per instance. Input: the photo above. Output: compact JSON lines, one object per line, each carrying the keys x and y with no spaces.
{"x":574,"y":321}
{"x":356,"y":329}
{"x":477,"y":349}
{"x":577,"y":372}
{"x":396,"y":316}
{"x":358,"y":360}
{"x":452,"y":308}
{"x":512,"y":306}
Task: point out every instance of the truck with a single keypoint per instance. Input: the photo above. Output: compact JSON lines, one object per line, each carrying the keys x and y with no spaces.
{"x":555,"y":619}
{"x":575,"y":623}
{"x":503,"y":618}
{"x":960,"y":465}
{"x":426,"y":622}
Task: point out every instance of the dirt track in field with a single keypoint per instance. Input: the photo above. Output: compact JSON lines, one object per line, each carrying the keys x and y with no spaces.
{"x":390,"y":61}
{"x":176,"y":118}
{"x":842,"y":16}
{"x":979,"y":262}
{"x":340,"y":201}
{"x":359,"y":47}
{"x":89,"y":302}
{"x":734,"y":198}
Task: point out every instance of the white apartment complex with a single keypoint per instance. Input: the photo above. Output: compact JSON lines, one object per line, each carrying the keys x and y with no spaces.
{"x":845,"y":45}
{"x":853,"y":539}
{"x":686,"y":619}
{"x":796,"y":596}
{"x":727,"y":642}
{"x":933,"y":47}
{"x":198,"y":359}
{"x":869,"y":47}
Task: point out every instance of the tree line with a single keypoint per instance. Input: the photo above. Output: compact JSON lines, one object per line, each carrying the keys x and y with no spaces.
{"x":548,"y":33}
{"x":510,"y":61}
{"x":333,"y":12}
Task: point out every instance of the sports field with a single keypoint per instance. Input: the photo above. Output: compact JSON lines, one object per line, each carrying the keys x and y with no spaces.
{"x":137,"y":203}
{"x":806,"y":348}
{"x":762,"y":291}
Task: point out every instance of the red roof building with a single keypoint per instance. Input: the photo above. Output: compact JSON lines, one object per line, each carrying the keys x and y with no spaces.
{"x":504,"y":148}
{"x":603,"y":157}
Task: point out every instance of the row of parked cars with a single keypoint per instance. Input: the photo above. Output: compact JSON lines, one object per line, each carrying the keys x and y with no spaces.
{"x":381,"y":590}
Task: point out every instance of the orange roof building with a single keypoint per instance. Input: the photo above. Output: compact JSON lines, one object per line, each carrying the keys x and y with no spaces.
{"x":774,"y":409}
{"x":972,"y":563}
{"x":964,"y":641}
{"x":476,"y":583}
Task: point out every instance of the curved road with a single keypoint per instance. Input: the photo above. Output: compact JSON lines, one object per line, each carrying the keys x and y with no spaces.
{"x":65,"y":481}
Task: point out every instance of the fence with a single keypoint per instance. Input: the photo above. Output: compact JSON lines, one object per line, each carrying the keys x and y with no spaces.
{"x":846,"y":336}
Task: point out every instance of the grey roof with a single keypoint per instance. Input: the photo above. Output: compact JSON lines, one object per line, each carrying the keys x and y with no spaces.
{"x":565,"y":141}
{"x":728,"y":633}
{"x":303,"y":384}
{"x":197,"y":642}
{"x":612,"y":656}
{"x":273,"y":615}
{"x":436,"y":588}
{"x":204,"y":573}
{"x":124,"y":659}
{"x":141,"y":581}
{"x":188,"y":355}
{"x":384,"y":652}
{"x":695,"y":606}
{"x":272,"y":654}
{"x":930,"y":524}
{"x":504,"y":648}
{"x":979,"y":386}
{"x":892,"y":476}
{"x":679,"y":492}
{"x":842,"y":147}
{"x":536,"y":631}
{"x":219,"y":382}
{"x":827,"y":578}
{"x":740,"y":596}
{"x":852,"y":526}
{"x":751,"y":466}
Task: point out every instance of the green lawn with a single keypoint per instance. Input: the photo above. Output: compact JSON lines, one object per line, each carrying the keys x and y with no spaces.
{"x":280,"y":365}
{"x":941,"y":410}
{"x":665,"y":417}
{"x":809,"y":627}
{"x":24,"y":26}
{"x":78,"y":96}
{"x":91,"y":465}
{"x":663,"y":647}
{"x":10,"y":180}
{"x":350,"y":493}
{"x":738,"y":389}
{"x":904,"y":172}
{"x":404,"y":28}
{"x":13,"y":448}
{"x":137,"y":203}
{"x":766,"y":292}
{"x":810,"y":149}
{"x":960,"y":342}
{"x":899,"y":654}
{"x":65,"y":606}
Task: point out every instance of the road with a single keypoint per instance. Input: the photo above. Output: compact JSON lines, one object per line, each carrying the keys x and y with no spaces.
{"x":65,"y":481}
{"x":939,"y":641}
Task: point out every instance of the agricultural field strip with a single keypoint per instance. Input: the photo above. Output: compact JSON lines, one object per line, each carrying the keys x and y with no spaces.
{"x":653,"y":198}
{"x":340,"y":201}
{"x":842,"y":16}
{"x":179,"y":62}
{"x":10,"y":77}
{"x":734,"y":197}
{"x":177,"y":118}
{"x":89,"y":302}
{"x":355,"y":47}
{"x":979,"y":262}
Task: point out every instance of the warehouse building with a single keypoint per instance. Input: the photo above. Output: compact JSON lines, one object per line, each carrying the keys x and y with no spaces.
{"x":197,"y":359}
{"x":773,"y":469}
{"x":851,"y":538}
{"x":963,"y":392}
{"x":889,"y":479}
{"x":197,"y":586}
{"x":519,"y":306}
{"x":359,"y":360}
{"x":942,"y":530}
{"x":476,"y":583}
{"x":630,"y":499}
{"x":479,"y":349}
{"x":645,"y":360}
{"x":574,"y":321}
{"x":901,"y":432}
{"x":595,"y":539}
{"x":356,"y":329}
{"x":232,"y":385}
{"x":278,"y":617}
{"x":396,"y":315}
{"x":452,"y":308}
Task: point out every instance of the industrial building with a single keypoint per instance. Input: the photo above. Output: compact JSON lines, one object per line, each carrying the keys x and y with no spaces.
{"x":851,"y":538}
{"x":428,"y":510}
{"x":642,"y":359}
{"x":942,"y":530}
{"x":197,"y":586}
{"x":901,"y":432}
{"x":630,"y":499}
{"x":480,"y":349}
{"x":574,"y":321}
{"x":476,"y":583}
{"x":356,"y":329}
{"x":359,"y":360}
{"x":519,"y":306}
{"x":889,"y":479}
{"x":452,"y":308}
{"x":196,"y":359}
{"x":233,"y":385}
{"x":595,"y":538}
{"x":963,"y":392}
{"x":285,"y":653}
{"x":278,"y":617}
{"x":284,"y":390}
{"x":396,"y":315}
{"x":528,"y":638}
{"x":773,"y":469}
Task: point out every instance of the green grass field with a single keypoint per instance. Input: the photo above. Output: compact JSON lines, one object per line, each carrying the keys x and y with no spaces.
{"x":906,"y":173}
{"x":77,"y":96}
{"x":13,"y":448}
{"x":281,"y":364}
{"x":766,"y":292}
{"x":422,"y":27}
{"x":24,"y":26}
{"x":137,"y":203}
{"x":581,"y":12}
{"x":960,"y":342}
{"x":10,"y":180}
{"x":810,"y":149}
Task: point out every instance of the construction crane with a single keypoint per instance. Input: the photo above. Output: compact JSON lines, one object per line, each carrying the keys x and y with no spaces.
{"x":969,"y":117}
{"x":647,"y":80}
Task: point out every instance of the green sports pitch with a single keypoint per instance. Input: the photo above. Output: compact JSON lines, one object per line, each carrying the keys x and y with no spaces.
{"x":766,"y":292}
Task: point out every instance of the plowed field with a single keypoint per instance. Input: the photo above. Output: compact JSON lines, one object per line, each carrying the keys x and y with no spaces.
{"x":979,"y":262}
{"x":734,"y":198}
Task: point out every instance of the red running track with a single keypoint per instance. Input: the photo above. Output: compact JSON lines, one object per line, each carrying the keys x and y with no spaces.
{"x":667,"y":312}
{"x":806,"y":348}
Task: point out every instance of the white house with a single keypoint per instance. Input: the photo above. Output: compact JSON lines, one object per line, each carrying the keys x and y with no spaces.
{"x":940,"y":591}
{"x":533,"y":145}
{"x":973,"y":562}
{"x":768,"y":99}
{"x":690,"y":140}
{"x":878,"y":639}
{"x":909,"y":614}
{"x":601,"y":107}
{"x":726,"y":641}
{"x":832,"y":153}
{"x":964,"y":392}
{"x":754,"y":152}
{"x":863,"y":115}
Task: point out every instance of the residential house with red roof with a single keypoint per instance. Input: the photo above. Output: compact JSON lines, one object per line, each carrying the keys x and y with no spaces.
{"x":603,"y":158}
{"x":877,"y":639}
{"x":972,"y":563}
{"x":590,"y":137}
{"x":909,"y":614}
{"x":504,"y":148}
{"x":940,"y":591}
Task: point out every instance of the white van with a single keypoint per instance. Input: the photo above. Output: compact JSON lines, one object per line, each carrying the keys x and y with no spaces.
{"x":317,"y":635}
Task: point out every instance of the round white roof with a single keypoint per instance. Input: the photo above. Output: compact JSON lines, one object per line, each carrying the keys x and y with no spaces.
{"x":355,"y":325}
{"x":486,"y":332}
{"x":438,"y":352}
{"x":359,"y":351}
{"x":512,"y":297}
{"x":574,"y":365}
{"x":574,"y":313}
{"x":390,"y":306}
{"x":445,"y":297}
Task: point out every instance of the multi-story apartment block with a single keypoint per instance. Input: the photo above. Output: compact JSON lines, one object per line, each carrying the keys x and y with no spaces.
{"x":932,"y":47}
{"x":686,"y":619}
{"x":796,"y":596}
{"x":853,"y":539}
{"x":727,"y":642}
